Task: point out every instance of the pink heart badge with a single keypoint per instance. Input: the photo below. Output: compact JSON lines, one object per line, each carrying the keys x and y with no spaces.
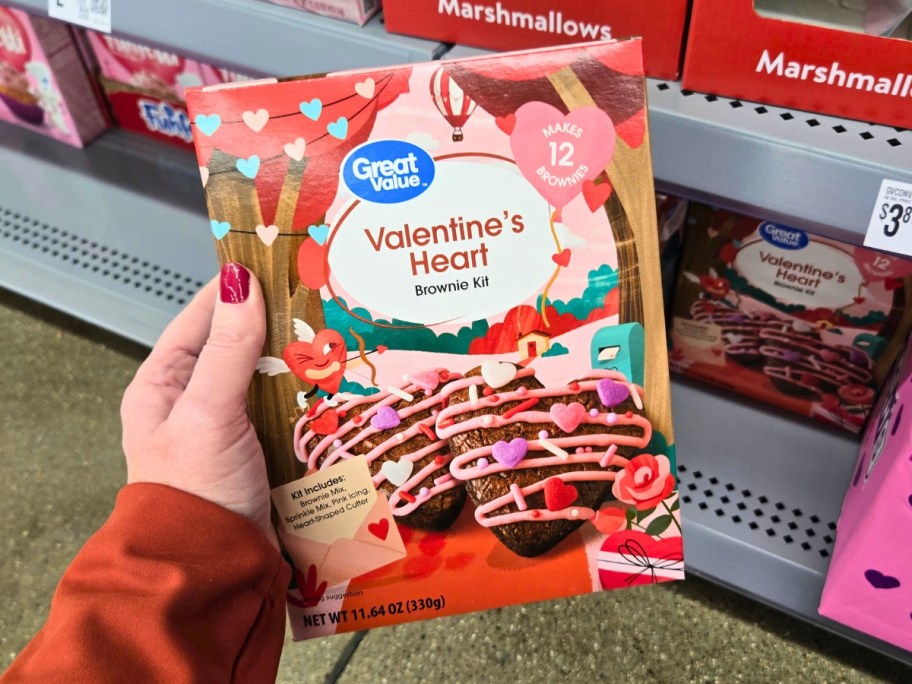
{"x":556,"y":152}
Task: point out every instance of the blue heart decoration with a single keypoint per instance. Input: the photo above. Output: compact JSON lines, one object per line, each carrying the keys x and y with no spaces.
{"x":338,"y":128}
{"x":737,"y":244}
{"x":879,"y":580}
{"x":250,"y":167}
{"x":208,"y":123}
{"x":312,"y":109}
{"x":319,"y":233}
{"x":219,"y":228}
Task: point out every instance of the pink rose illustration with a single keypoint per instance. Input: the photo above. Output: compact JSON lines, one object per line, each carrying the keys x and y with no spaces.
{"x":644,"y":482}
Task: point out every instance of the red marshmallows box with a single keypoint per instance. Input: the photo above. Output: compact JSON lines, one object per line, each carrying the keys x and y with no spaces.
{"x":521,"y":24}
{"x":735,"y":51}
{"x":465,"y":378}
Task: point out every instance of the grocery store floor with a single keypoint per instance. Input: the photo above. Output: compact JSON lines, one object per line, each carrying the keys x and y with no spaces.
{"x":60,"y":465}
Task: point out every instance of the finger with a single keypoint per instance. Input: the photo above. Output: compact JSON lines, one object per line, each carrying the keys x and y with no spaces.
{"x":228,"y":359}
{"x":163,"y":376}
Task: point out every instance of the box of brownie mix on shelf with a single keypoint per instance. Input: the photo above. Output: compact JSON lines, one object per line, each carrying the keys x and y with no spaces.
{"x":465,"y":379}
{"x":788,"y":317}
{"x":521,"y":24}
{"x":44,"y":84}
{"x":354,"y":11}
{"x":869,"y":581}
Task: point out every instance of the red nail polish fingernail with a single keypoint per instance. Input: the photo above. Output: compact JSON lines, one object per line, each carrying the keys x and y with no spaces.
{"x":235,"y":283}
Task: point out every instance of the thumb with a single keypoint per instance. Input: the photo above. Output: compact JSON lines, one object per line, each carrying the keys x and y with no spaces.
{"x":228,"y":359}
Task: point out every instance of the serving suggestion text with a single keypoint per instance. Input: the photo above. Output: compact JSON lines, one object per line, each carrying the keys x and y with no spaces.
{"x":457,"y":230}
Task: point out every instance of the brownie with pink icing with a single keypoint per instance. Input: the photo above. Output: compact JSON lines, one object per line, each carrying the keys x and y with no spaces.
{"x":538,"y":461}
{"x":394,"y":431}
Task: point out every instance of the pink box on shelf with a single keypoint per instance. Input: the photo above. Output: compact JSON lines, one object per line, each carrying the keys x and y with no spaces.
{"x":44,"y":85}
{"x":869,"y":583}
{"x":151,"y":70}
{"x":355,"y":11}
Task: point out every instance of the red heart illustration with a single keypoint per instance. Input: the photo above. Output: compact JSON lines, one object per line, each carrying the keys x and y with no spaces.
{"x":562,"y":259}
{"x":379,"y":529}
{"x":858,"y":300}
{"x":728,"y":253}
{"x":320,"y":362}
{"x":326,"y":424}
{"x":633,"y":130}
{"x":506,"y":123}
{"x":596,"y":195}
{"x":381,"y":348}
{"x":559,"y":495}
{"x":312,"y":266}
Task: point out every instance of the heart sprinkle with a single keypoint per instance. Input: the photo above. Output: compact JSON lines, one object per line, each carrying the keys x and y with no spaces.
{"x":397,"y":472}
{"x":385,"y":418}
{"x":429,"y":380}
{"x":511,"y":453}
{"x":326,"y":424}
{"x":611,"y":393}
{"x":558,"y":495}
{"x":568,"y":417}
{"x":497,"y":374}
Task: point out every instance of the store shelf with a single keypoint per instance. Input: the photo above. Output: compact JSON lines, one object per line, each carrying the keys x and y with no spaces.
{"x":811,"y":171}
{"x":761,"y":492}
{"x":258,"y":37}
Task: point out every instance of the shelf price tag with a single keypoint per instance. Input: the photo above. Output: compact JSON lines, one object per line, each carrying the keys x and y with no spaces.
{"x":890,"y":228}
{"x":93,"y":14}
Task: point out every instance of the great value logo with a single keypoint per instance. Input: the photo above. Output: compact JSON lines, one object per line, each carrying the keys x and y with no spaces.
{"x":783,"y":236}
{"x":388,"y":171}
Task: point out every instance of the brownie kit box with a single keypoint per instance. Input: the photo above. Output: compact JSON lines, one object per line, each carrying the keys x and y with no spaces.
{"x":869,"y":583}
{"x":44,"y":85}
{"x":465,"y":379}
{"x":355,"y":11}
{"x":788,"y":317}
{"x":840,"y":58}
{"x":520,"y":24}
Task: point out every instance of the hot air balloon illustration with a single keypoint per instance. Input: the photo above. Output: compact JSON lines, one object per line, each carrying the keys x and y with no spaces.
{"x":455,"y":106}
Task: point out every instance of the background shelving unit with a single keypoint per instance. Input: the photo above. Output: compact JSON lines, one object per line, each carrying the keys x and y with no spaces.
{"x":761,"y":489}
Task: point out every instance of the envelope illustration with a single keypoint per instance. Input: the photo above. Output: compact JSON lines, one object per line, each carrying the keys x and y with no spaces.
{"x":375,"y":543}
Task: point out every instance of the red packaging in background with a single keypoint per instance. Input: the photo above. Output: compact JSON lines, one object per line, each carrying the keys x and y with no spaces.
{"x":734,"y":51}
{"x":354,"y":11}
{"x":786,"y":317}
{"x":150,"y":115}
{"x":44,"y":84}
{"x":521,"y":24}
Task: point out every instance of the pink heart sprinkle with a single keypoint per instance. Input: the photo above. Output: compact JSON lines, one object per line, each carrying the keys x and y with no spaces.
{"x":612,"y":393}
{"x":510,"y":453}
{"x":567,"y":418}
{"x":385,"y":418}
{"x":428,"y":380}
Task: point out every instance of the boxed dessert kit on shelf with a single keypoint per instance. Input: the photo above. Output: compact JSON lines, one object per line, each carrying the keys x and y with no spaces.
{"x":149,"y":114}
{"x":355,"y":11}
{"x":869,"y":582}
{"x":845,"y":59}
{"x":520,"y":24}
{"x":44,"y":84}
{"x":784,"y":316}
{"x":464,"y":384}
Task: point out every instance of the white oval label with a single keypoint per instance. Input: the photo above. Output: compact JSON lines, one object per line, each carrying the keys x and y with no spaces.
{"x":815,"y":275}
{"x":449,"y":254}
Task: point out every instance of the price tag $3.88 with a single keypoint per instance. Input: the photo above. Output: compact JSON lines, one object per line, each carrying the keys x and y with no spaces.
{"x":890,"y":228}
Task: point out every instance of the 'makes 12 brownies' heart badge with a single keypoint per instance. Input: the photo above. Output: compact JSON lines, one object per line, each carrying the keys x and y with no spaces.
{"x":557,"y":152}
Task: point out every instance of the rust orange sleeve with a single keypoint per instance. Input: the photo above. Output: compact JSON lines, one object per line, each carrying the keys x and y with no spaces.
{"x":172,"y":588}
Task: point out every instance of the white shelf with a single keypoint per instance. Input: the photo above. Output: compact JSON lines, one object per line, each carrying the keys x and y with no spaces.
{"x":258,"y":37}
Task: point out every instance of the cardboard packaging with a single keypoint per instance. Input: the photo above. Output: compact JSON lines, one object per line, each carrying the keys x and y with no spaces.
{"x":522,"y":24}
{"x":354,"y":11}
{"x":44,"y":84}
{"x":465,"y":379}
{"x":740,"y":51}
{"x":159,"y":118}
{"x":787,"y":317}
{"x":869,"y":582}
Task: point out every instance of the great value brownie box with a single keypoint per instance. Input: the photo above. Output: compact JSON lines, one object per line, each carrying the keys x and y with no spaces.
{"x":788,"y":317}
{"x":465,"y":378}
{"x":44,"y":84}
{"x":869,"y":583}
{"x":520,"y":24}
{"x":354,"y":11}
{"x":844,"y":59}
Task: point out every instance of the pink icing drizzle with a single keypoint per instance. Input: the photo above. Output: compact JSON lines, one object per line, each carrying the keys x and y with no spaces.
{"x":461,"y":469}
{"x":400,"y":504}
